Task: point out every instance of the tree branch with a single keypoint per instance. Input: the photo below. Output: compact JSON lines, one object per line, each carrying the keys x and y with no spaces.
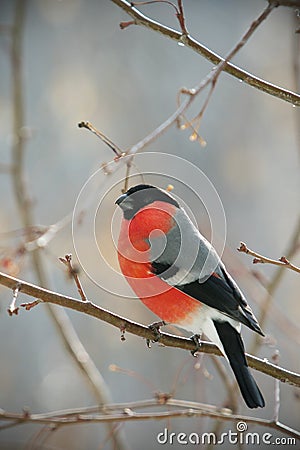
{"x":126,"y":412}
{"x":260,"y":259}
{"x":191,"y":94}
{"x":124,"y":324}
{"x":214,"y":58}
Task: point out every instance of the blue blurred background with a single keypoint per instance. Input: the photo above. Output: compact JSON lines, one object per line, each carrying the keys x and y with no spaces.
{"x":78,"y":65}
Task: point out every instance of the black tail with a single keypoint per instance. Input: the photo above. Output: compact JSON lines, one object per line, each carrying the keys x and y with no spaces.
{"x":235,"y":352}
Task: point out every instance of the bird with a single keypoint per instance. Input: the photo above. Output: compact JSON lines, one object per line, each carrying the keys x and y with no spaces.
{"x":179,"y":276}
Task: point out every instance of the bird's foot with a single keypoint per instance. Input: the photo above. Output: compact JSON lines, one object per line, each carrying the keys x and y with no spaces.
{"x":155,"y":328}
{"x":196,"y":338}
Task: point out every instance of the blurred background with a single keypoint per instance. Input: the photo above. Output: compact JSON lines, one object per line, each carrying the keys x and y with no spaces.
{"x":77,"y":64}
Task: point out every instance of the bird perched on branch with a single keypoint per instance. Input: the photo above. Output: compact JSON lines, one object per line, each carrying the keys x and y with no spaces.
{"x":178,"y":275}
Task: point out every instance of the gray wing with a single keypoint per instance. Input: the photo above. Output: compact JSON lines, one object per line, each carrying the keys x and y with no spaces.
{"x":186,"y":260}
{"x":186,"y":255}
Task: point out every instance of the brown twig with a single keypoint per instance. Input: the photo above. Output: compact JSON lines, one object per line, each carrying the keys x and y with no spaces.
{"x":273,"y":285}
{"x":127,"y":24}
{"x":28,"y":306}
{"x":128,"y":413}
{"x":126,"y":182}
{"x":260,"y":259}
{"x":120,"y":322}
{"x":67,"y":260}
{"x":213,"y":77}
{"x":159,"y":399}
{"x":181,"y":17}
{"x":150,"y":2}
{"x":117,"y":151}
{"x":188,"y":41}
{"x":191,"y":94}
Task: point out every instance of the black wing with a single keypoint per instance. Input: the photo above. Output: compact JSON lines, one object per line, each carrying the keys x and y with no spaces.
{"x":218,"y":291}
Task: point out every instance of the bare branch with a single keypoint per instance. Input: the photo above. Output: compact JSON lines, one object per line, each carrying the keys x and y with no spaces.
{"x":120,"y":322}
{"x":260,"y":259}
{"x":271,"y":288}
{"x":28,"y":306}
{"x":181,"y":17}
{"x":117,"y":151}
{"x":126,"y":412}
{"x":188,"y":41}
{"x":215,"y":73}
{"x":191,"y":94}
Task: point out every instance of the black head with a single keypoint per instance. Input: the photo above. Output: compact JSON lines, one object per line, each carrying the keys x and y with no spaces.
{"x":140,"y":196}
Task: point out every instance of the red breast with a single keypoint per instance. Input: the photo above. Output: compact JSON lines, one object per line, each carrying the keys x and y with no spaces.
{"x":170,"y":304}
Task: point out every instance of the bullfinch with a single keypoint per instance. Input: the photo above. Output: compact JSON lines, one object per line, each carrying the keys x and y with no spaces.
{"x":179,"y":276}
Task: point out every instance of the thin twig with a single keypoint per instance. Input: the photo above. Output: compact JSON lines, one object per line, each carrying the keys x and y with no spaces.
{"x":188,"y":41}
{"x":126,"y":182}
{"x":160,"y":399}
{"x":150,"y":2}
{"x":181,"y":17}
{"x":213,"y":77}
{"x":117,"y":151}
{"x":260,"y":259}
{"x":128,"y":414}
{"x":120,"y":322}
{"x":39,"y":438}
{"x":223,"y":64}
{"x":191,"y":94}
{"x":67,"y":260}
{"x":273,"y":285}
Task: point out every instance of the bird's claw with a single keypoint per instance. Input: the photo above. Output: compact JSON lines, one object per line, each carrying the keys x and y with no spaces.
{"x":155,"y":328}
{"x":196,"y":338}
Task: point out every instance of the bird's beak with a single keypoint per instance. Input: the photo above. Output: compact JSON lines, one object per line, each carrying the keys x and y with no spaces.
{"x":120,"y":199}
{"x":125,"y":203}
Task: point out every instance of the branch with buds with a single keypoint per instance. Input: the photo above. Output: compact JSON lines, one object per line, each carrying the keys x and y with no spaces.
{"x":260,"y":259}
